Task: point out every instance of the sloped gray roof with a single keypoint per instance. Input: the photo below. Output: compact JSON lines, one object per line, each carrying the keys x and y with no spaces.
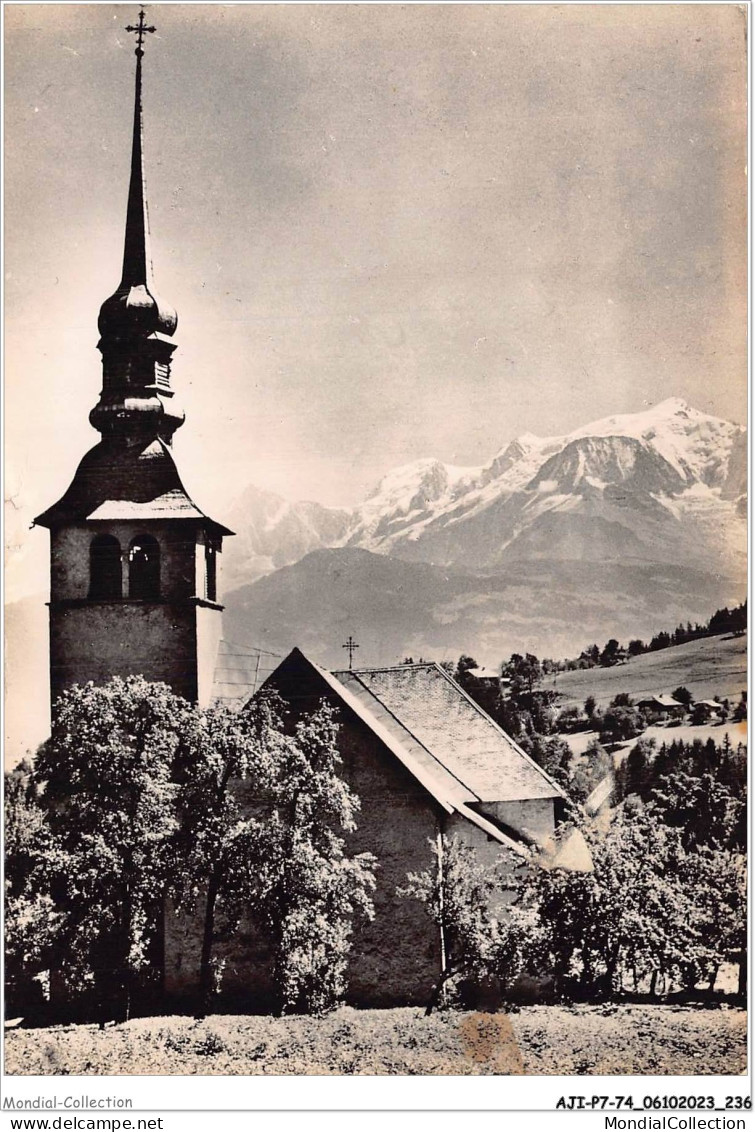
{"x":126,"y":481}
{"x":663,"y":700}
{"x":450,"y":746}
{"x":429,"y":771}
{"x":483,"y":673}
{"x":457,"y":733}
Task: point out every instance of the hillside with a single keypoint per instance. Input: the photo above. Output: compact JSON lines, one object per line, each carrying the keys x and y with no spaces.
{"x":711,"y":666}
{"x":395,"y":608}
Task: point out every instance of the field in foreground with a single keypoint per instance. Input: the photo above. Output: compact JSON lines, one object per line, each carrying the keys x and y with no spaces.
{"x":611,"y":1039}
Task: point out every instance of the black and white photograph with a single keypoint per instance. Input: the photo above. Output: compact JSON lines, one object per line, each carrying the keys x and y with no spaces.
{"x":376,"y":473}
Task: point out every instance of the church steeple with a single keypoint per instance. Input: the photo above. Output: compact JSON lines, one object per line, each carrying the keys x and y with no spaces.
{"x":134,"y":323}
{"x":134,"y":562}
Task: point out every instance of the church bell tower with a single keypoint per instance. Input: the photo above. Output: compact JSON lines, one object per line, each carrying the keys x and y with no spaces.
{"x":133,"y":560}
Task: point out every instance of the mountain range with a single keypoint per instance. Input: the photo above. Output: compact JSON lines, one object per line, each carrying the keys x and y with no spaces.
{"x":627,"y":525}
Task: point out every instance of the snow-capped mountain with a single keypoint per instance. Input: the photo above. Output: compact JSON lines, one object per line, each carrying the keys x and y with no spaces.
{"x":621,"y":528}
{"x":664,"y":485}
{"x":271,"y":532}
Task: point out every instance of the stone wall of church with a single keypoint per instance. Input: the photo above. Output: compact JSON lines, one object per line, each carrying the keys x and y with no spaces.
{"x":209,"y":631}
{"x":533,"y":818}
{"x":397,"y":956}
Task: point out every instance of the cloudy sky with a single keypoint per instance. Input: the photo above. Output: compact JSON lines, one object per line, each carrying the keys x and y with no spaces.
{"x":389,"y":231}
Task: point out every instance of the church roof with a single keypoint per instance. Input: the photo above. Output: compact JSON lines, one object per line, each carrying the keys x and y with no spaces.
{"x":459,"y":734}
{"x":474,"y":762}
{"x":126,"y":481}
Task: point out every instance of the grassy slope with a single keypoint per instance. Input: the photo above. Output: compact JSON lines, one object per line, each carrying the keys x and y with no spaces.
{"x":711,"y":666}
{"x":614,"y":1039}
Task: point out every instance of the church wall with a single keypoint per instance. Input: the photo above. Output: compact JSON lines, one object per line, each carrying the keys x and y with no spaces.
{"x":209,"y":631}
{"x":533,"y":817}
{"x":99,"y":640}
{"x":396,"y":958}
{"x":488,"y":852}
{"x":69,"y":562}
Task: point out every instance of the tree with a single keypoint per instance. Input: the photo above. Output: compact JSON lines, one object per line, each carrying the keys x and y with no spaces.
{"x":612,"y":653}
{"x":639,"y":767}
{"x":570,"y":719}
{"x":524,"y":672}
{"x":463,"y":897}
{"x":108,"y":797}
{"x":619,"y":723}
{"x":683,"y":696}
{"x":740,"y":711}
{"x":590,"y":770}
{"x":699,"y":715}
{"x":145,"y":796}
{"x":463,"y":666}
{"x":715,"y":881}
{"x":703,"y":809}
{"x":219,"y":848}
{"x":309,"y":890}
{"x":555,"y":756}
{"x":30,"y":915}
{"x":630,"y":916}
{"x":590,"y":706}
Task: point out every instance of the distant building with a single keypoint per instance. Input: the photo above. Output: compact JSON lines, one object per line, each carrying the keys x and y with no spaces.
{"x":487,"y":677}
{"x":710,"y":709}
{"x":665,"y":706}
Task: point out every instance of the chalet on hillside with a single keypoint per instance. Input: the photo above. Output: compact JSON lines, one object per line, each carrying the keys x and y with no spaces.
{"x":487,"y":677}
{"x":664,"y":706}
{"x":710,"y":709}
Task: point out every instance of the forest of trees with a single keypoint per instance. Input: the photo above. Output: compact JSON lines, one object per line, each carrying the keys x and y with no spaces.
{"x":612,"y":652}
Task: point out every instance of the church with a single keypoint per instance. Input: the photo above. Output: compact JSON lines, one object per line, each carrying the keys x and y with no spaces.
{"x":134,"y":589}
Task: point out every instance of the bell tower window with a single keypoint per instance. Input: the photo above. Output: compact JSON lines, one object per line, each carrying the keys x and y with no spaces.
{"x":211,"y":571}
{"x":105,"y":567}
{"x":144,"y":568}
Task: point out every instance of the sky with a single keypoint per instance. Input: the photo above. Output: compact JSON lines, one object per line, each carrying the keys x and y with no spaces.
{"x":390,"y":231}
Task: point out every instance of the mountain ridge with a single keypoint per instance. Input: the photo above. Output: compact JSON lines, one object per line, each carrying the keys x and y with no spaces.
{"x":670,"y":466}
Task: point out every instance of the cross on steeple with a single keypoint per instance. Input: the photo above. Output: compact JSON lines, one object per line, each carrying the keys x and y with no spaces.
{"x":351,"y":645}
{"x":141,"y":30}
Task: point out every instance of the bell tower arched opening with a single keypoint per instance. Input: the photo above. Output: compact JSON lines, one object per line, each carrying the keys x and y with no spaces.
{"x":144,"y":568}
{"x":105,"y":580}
